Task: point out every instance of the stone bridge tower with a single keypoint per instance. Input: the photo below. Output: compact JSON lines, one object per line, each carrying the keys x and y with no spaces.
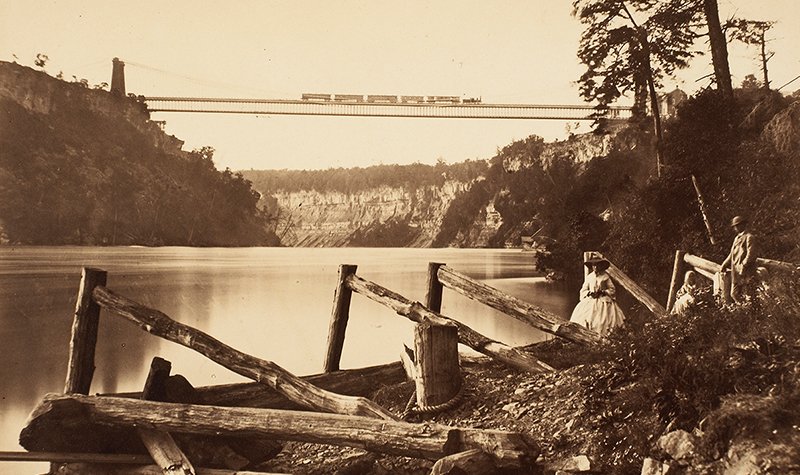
{"x":118,"y":77}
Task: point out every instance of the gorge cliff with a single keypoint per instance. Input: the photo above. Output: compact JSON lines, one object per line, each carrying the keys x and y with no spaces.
{"x":470,"y":204}
{"x":79,"y":165}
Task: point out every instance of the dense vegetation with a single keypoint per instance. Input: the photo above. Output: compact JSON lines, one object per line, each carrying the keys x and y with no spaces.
{"x":353,"y":180}
{"x":77,"y":177}
{"x":739,"y":171}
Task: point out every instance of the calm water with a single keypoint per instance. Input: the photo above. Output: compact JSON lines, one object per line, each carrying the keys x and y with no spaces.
{"x":273,"y":303}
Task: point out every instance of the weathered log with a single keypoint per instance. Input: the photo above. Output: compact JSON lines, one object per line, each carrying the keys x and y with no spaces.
{"x":774,"y":265}
{"x":469,"y":462}
{"x":69,"y":457}
{"x":700,"y":263}
{"x":433,"y":295}
{"x":165,"y":452}
{"x":349,"y":382}
{"x":674,"y":283}
{"x":416,"y":312}
{"x":407,"y":357}
{"x":85,"y":324}
{"x":516,"y":308}
{"x":160,"y":444}
{"x":437,"y":372}
{"x":59,"y":415}
{"x":339,"y":317}
{"x":634,"y":289}
{"x":262,"y":371}
{"x":95,"y":469}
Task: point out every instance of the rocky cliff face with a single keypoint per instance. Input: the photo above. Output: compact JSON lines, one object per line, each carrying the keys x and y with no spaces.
{"x":326,"y":219}
{"x":414,"y":216}
{"x":39,"y":93}
{"x":581,"y":147}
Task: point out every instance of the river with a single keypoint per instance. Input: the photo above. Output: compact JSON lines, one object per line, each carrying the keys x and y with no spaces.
{"x":273,"y":303}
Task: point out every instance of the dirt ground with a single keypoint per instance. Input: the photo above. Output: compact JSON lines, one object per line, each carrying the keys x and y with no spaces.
{"x":549,"y":407}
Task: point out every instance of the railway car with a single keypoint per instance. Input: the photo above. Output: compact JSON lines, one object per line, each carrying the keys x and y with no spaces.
{"x":443,"y":99}
{"x":316,"y":97}
{"x":348,"y":98}
{"x":472,"y":100}
{"x":412,"y":99}
{"x":381,"y":98}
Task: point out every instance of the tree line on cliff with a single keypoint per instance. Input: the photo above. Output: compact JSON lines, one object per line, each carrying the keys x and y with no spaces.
{"x":77,"y":177}
{"x":357,"y":179}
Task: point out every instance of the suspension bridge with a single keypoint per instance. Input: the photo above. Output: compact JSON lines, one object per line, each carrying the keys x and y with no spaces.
{"x":385,"y":108}
{"x":434,"y":107}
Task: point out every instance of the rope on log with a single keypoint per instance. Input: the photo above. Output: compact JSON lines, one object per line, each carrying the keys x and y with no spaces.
{"x":414,"y":408}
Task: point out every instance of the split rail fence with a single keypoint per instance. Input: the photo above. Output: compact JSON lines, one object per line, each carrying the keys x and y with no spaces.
{"x":89,"y":434}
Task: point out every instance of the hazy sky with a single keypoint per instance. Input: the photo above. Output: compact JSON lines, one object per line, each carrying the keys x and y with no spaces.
{"x":501,"y":50}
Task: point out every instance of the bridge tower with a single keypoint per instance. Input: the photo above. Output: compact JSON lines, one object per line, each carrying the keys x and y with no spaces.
{"x":118,"y":77}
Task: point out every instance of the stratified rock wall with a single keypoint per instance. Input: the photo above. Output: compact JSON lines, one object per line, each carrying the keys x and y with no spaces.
{"x":330,"y":218}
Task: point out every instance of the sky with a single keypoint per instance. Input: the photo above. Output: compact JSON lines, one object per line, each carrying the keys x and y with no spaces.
{"x":504,"y":51}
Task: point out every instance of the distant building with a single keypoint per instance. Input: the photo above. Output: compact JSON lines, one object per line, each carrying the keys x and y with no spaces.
{"x":668,"y":102}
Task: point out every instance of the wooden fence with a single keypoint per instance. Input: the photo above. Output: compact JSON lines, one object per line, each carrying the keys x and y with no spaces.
{"x":720,"y":278}
{"x":75,"y":429}
{"x":440,"y":276}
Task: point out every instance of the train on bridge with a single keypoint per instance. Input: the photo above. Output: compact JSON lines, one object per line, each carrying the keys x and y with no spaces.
{"x":388,"y":99}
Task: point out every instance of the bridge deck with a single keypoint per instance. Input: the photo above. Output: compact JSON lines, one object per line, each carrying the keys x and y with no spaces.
{"x":365,"y":109}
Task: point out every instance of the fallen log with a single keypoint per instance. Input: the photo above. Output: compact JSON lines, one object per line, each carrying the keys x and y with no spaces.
{"x":74,"y":457}
{"x":416,"y":312}
{"x":262,"y":371}
{"x":700,"y":263}
{"x":774,"y":265}
{"x":94,"y":469}
{"x":516,"y":308}
{"x":349,"y":382}
{"x":60,"y":416}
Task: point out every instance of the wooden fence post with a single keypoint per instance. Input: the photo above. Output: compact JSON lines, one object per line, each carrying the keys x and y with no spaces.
{"x":722,"y":286}
{"x":433,"y":297}
{"x":437,"y":372}
{"x":674,"y":284}
{"x":84,"y":333}
{"x":339,"y":317}
{"x":586,"y":256}
{"x":159,"y":443}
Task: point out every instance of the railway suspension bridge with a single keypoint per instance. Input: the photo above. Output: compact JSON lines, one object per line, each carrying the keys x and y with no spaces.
{"x":435,"y":107}
{"x":397,"y":107}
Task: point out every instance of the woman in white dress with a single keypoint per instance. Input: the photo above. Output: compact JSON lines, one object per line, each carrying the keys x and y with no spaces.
{"x":598,"y":309}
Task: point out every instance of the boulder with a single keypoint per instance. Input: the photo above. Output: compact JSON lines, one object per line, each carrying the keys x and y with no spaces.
{"x":783,"y":131}
{"x":577,"y":464}
{"x":679,"y":444}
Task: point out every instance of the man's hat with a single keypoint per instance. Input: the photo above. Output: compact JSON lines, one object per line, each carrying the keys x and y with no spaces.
{"x":738,"y":220}
{"x":593,"y":261}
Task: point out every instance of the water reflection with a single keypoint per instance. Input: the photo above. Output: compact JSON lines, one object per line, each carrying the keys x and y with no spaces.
{"x":272,"y":303}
